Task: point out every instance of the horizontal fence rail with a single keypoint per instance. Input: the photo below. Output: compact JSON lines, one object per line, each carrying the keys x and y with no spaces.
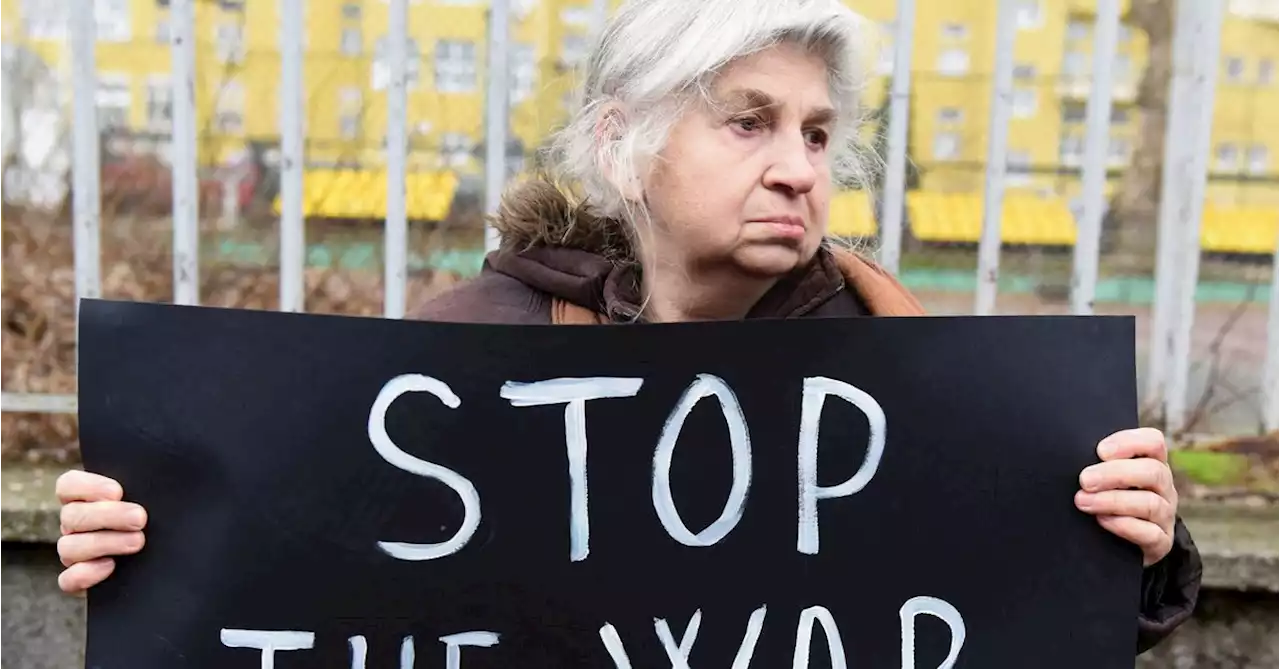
{"x":1196,"y":49}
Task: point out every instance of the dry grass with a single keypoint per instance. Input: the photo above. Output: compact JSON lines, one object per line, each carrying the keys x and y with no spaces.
{"x":39,"y":308}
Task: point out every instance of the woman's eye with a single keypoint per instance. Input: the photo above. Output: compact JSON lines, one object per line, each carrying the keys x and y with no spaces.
{"x":749,"y":123}
{"x":817,"y":138}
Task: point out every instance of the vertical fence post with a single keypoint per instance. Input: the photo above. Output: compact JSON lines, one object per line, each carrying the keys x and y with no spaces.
{"x":1172,"y":178}
{"x":1271,"y":377}
{"x":1208,"y":37}
{"x":497,"y":111}
{"x":1270,"y":393}
{"x":1084,"y":274}
{"x":997,"y":144}
{"x":292,"y":232}
{"x":396,"y":236}
{"x":186,"y":206}
{"x":895,"y":175}
{"x":87,"y":199}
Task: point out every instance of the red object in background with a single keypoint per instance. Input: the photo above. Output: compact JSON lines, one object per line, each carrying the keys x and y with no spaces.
{"x":143,"y":184}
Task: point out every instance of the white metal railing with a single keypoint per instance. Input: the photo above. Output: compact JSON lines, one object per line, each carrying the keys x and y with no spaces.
{"x":1190,"y":118}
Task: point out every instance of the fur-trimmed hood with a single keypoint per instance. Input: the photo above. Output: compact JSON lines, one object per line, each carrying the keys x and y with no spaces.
{"x":536,"y":213}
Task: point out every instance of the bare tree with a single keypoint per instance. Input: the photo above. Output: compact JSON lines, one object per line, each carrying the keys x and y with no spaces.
{"x":1136,"y":203}
{"x":36,"y":134}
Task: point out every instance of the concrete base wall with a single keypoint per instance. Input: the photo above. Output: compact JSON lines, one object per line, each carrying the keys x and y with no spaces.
{"x":44,"y":628}
{"x":1230,"y":629}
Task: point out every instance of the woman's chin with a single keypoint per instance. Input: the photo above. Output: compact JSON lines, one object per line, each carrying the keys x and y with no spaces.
{"x":770,"y":260}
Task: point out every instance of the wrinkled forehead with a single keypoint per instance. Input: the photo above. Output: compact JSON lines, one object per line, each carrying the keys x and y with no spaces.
{"x":776,"y":80}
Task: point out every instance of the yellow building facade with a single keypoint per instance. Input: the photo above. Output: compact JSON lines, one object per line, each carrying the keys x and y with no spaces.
{"x":238,"y":73}
{"x":953,"y":60}
{"x":345,"y":72}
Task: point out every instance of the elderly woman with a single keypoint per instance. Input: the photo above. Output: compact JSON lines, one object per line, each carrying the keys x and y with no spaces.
{"x":693,"y":183}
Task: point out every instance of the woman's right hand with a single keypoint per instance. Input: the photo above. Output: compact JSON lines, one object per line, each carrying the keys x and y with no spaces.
{"x":96,"y":525}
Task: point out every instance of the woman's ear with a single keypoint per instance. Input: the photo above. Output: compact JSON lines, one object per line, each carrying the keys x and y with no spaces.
{"x":610,"y":133}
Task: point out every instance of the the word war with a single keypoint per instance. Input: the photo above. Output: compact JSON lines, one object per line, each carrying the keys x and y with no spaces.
{"x":269,"y":642}
{"x":574,"y":393}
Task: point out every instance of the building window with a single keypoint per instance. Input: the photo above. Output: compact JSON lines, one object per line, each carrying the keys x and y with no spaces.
{"x":524,"y":72}
{"x":1122,"y":68}
{"x":1118,"y":151}
{"x":1226,"y":158}
{"x":455,"y":149}
{"x":113,"y":100}
{"x":1073,"y":112}
{"x":1025,"y":102}
{"x":954,"y":31}
{"x":350,"y":110}
{"x":1024,"y":72}
{"x":1018,"y":167}
{"x":1077,"y":30}
{"x":352,"y":42}
{"x":380,"y":74}
{"x":46,"y":20}
{"x":1030,"y":14}
{"x":229,"y":42}
{"x":43,"y":19}
{"x":351,"y":11}
{"x":1071,"y":150}
{"x":884,"y":65}
{"x":228,"y":112}
{"x":1119,"y":115}
{"x":1075,"y":64}
{"x":1235,"y":68}
{"x":112,"y":17}
{"x":948,"y":115}
{"x":455,"y":66}
{"x":1258,"y":158}
{"x":159,"y":105}
{"x":1266,"y":72}
{"x":349,"y":126}
{"x":953,"y":62}
{"x":946,"y":146}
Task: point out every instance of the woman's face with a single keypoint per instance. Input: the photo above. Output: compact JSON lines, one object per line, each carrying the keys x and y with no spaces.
{"x":744,"y":184}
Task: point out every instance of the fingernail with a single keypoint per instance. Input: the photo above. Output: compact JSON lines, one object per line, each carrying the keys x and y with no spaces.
{"x":1106,"y":448}
{"x":1084,"y":501}
{"x":137,"y":517}
{"x":1089,"y":481}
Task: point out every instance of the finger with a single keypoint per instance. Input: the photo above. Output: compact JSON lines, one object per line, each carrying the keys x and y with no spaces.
{"x":1141,"y":504}
{"x":80,"y":577}
{"x":1143,"y":442}
{"x":81,"y":486}
{"x":1140,"y":473}
{"x":1153,"y":541}
{"x":73,"y":548}
{"x":93,"y":516}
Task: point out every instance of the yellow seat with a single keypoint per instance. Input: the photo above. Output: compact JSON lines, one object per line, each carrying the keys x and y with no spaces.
{"x":851,"y":215}
{"x":1250,"y":230}
{"x":352,"y":193}
{"x":1025,"y":219}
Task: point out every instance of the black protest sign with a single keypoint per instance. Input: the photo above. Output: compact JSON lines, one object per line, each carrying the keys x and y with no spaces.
{"x":331,"y":492}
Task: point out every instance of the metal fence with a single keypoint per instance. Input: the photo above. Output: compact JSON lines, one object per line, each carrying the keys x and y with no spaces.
{"x":1169,"y":359}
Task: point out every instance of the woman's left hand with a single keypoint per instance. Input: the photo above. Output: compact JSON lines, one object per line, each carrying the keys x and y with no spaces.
{"x":1131,"y":491}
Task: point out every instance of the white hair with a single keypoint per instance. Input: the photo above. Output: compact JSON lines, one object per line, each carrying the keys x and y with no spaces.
{"x":655,"y":57}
